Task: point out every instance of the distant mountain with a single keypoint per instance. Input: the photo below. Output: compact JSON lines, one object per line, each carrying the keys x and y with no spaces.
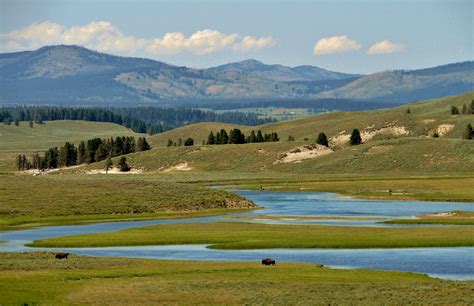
{"x":76,"y":75}
{"x":411,"y":85}
{"x":281,"y":73}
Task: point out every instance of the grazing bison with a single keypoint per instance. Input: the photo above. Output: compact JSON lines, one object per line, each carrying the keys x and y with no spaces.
{"x":61,"y":255}
{"x":268,"y":261}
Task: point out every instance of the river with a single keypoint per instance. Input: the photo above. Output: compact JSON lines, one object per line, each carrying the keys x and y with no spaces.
{"x":455,"y":263}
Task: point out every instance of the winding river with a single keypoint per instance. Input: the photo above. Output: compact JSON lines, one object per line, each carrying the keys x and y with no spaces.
{"x":455,"y":263}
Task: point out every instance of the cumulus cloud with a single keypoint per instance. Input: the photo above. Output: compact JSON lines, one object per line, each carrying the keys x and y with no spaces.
{"x":385,"y":47}
{"x":104,"y":36}
{"x":250,"y":43}
{"x":335,"y":44}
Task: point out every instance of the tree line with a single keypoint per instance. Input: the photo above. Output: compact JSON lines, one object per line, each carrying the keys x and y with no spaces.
{"x":235,"y":136}
{"x":89,"y":151}
{"x":150,"y":120}
{"x":466,"y":109}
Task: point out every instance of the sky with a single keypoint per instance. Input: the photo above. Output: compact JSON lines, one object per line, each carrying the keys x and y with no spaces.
{"x":347,"y":36}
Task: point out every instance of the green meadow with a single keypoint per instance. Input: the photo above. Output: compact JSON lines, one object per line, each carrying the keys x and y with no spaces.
{"x":38,"y":278}
{"x":242,"y":235}
{"x":62,"y":199}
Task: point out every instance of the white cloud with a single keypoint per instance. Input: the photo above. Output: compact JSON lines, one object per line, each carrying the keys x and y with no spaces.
{"x":385,"y":47}
{"x":104,"y":36}
{"x":335,"y":44}
{"x":250,"y":43}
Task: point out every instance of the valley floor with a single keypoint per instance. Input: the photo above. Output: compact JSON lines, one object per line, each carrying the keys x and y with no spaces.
{"x":39,"y":278}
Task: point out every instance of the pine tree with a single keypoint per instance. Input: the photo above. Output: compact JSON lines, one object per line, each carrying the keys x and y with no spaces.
{"x":236,"y":136}
{"x":123,"y":164}
{"x":464,"y":109}
{"x":454,"y":110}
{"x":180,"y":142}
{"x":224,"y":139}
{"x":170,"y":143}
{"x":260,"y":136}
{"x":274,"y":137}
{"x":211,"y":139}
{"x":189,"y":142}
{"x":102,"y":152}
{"x":81,"y":153}
{"x":17,"y":122}
{"x":108,"y":164}
{"x":408,"y":111}
{"x":252,"y":137}
{"x":468,"y":132}
{"x":355,"y":138}
{"x":19,"y":163}
{"x":142,"y":144}
{"x":322,"y":140}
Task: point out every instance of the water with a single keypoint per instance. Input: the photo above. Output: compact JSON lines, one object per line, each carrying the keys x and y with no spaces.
{"x":304,"y":204}
{"x":450,"y":263}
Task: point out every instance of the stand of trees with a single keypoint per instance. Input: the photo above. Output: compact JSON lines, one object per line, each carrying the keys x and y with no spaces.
{"x":92,"y":150}
{"x":235,"y":136}
{"x":151,"y":120}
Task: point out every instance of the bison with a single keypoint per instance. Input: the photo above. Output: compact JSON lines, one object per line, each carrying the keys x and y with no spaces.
{"x":268,"y":261}
{"x":61,"y":255}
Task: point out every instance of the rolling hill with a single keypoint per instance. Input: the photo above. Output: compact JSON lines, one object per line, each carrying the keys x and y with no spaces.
{"x":412,"y":85}
{"x":394,"y":142}
{"x":71,"y":75}
{"x":281,"y":73}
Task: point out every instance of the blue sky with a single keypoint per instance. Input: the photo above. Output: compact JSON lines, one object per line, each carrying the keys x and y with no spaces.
{"x":348,"y":36}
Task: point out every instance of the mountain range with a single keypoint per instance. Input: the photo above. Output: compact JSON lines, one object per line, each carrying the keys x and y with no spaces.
{"x":76,"y":75}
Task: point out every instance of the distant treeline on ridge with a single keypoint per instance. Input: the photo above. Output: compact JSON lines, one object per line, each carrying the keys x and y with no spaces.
{"x":150,"y":120}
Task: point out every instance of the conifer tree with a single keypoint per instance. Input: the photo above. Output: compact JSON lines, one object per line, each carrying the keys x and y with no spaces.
{"x":252,"y":137}
{"x":260,"y":136}
{"x":81,"y":153}
{"x":468,"y":132}
{"x":211,"y":139}
{"x":355,"y":138}
{"x":189,"y":142}
{"x":108,"y":164}
{"x":19,"y":162}
{"x":224,"y":137}
{"x":123,"y":164}
{"x":322,"y":140}
{"x":454,"y":110}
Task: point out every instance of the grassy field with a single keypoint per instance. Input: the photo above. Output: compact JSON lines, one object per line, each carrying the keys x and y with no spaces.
{"x":55,"y":133}
{"x":388,"y":158}
{"x":38,"y":278}
{"x":22,"y":139}
{"x":424,"y":119}
{"x":59,"y":199}
{"x":239,"y":235}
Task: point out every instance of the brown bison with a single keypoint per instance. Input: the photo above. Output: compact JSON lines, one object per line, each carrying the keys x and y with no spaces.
{"x":268,"y":261}
{"x":61,"y":255}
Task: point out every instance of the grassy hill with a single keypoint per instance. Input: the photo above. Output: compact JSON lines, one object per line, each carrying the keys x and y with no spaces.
{"x":23,"y":139}
{"x":53,"y":133}
{"x":198,"y":132}
{"x":425,"y":118}
{"x":395,"y":143}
